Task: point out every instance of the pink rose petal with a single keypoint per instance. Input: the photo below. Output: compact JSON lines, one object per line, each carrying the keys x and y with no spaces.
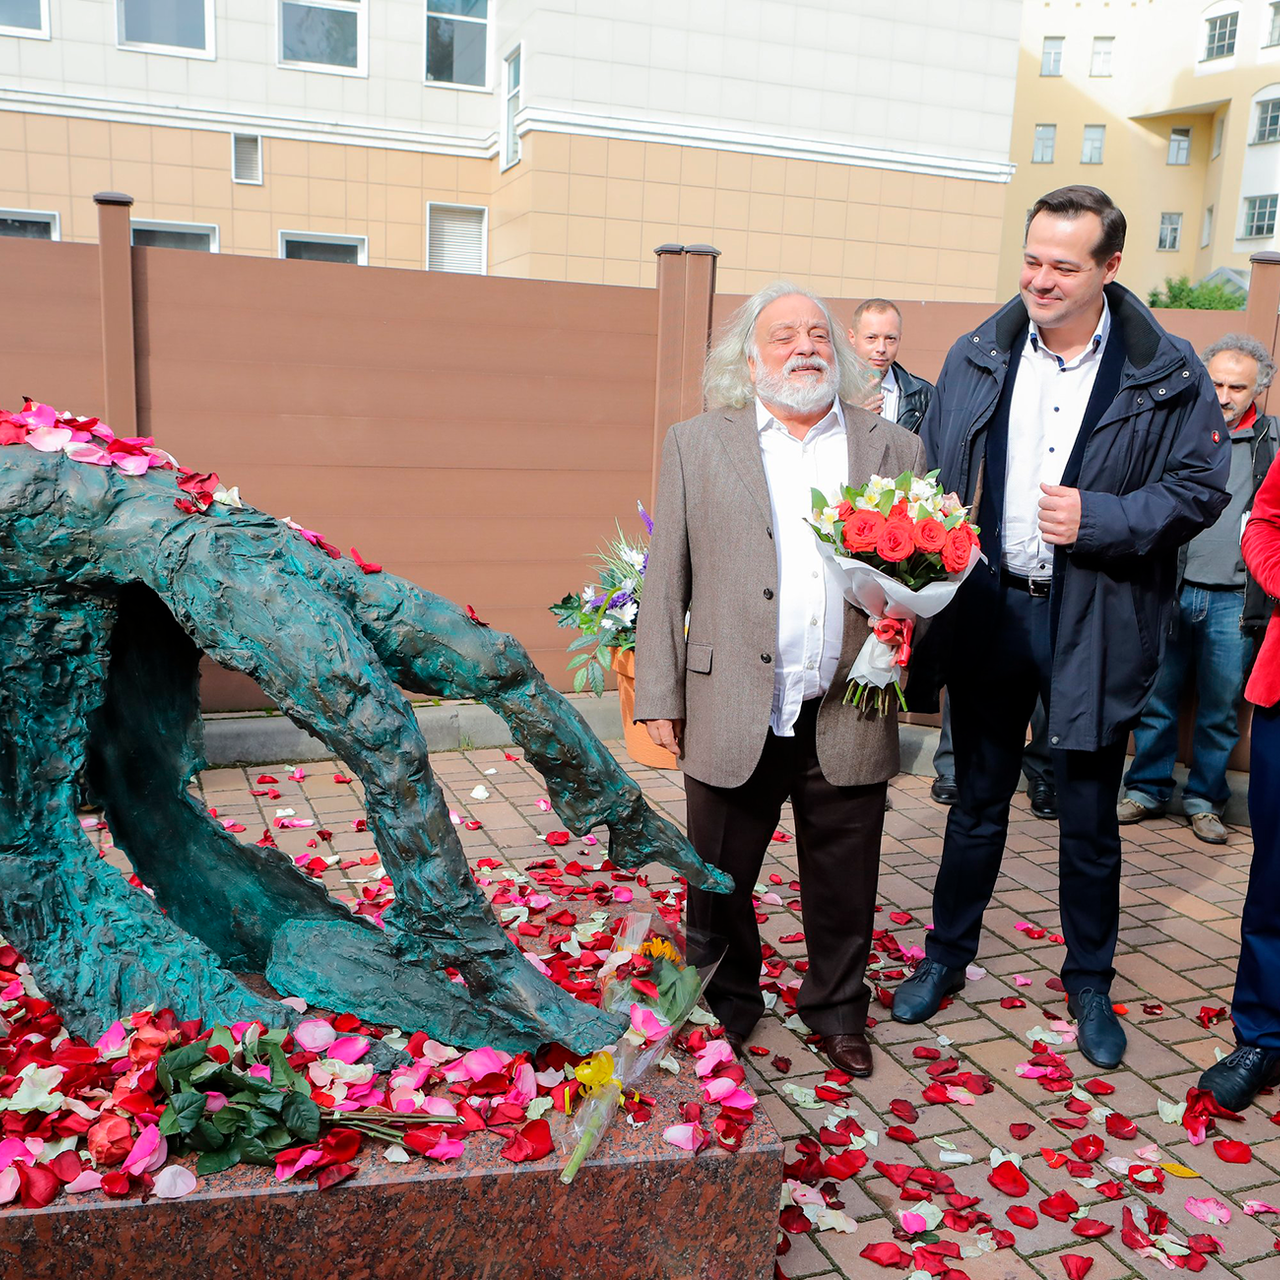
{"x":685,"y":1136}
{"x":173,"y":1183}
{"x":315,"y":1035}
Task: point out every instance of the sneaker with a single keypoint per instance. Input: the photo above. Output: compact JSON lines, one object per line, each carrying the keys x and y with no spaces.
{"x":1128,"y":811}
{"x":1208,"y":827}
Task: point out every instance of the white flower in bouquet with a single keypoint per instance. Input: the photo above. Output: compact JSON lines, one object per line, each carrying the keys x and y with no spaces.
{"x":827,"y":518}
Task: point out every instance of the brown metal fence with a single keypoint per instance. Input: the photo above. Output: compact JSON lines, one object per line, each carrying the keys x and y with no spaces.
{"x":479,"y":435}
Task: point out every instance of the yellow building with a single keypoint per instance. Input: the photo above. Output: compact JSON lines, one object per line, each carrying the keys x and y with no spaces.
{"x":1173,"y":109}
{"x":860,"y":153}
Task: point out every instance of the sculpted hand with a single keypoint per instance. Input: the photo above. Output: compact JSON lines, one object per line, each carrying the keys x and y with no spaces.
{"x":875,"y":401}
{"x":666,"y":734}
{"x":1059,"y":515}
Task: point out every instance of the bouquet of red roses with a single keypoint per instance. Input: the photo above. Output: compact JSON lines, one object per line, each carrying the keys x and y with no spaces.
{"x":900,"y":549}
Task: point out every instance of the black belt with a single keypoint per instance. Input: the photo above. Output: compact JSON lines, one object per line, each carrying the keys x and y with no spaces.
{"x":1036,"y":587}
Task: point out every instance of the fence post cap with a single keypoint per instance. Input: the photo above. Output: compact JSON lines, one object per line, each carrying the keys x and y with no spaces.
{"x":709,"y":250}
{"x":669,"y":248}
{"x":1266,"y":255}
{"x":112,"y":197}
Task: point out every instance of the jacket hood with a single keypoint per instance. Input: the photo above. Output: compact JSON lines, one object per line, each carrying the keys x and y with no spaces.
{"x":1146,"y":343}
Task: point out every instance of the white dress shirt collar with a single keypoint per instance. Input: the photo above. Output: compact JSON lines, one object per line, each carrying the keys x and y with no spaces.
{"x":1092,"y":351}
{"x":834,"y":419}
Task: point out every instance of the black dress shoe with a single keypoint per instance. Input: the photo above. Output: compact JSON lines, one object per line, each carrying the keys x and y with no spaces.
{"x":1237,"y":1079}
{"x":850,"y":1052}
{"x":1099,"y":1034}
{"x":1044,"y":800}
{"x":735,"y":1042}
{"x":920,"y":996}
{"x":944,"y":789}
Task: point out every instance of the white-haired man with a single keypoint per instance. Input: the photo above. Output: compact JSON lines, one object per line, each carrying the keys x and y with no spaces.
{"x":1220,"y":609}
{"x":750,"y":696}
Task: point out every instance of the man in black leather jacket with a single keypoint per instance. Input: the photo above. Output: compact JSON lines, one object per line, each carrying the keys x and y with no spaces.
{"x":875,"y":334}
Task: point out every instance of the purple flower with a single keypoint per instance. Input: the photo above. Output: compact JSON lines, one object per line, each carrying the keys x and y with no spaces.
{"x":646,"y":517}
{"x":620,"y":598}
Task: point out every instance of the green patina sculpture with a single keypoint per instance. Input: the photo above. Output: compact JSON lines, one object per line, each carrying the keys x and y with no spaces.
{"x":110,"y":594}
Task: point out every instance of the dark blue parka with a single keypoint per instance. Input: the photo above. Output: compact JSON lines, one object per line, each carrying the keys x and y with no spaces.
{"x":1153,"y":474}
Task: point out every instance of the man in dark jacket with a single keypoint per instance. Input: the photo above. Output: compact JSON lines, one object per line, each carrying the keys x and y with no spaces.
{"x":875,"y":333}
{"x":1071,"y":394}
{"x":1220,"y":608}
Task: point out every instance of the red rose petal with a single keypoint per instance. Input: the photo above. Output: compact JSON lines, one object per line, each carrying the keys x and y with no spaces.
{"x":1020,"y":1131}
{"x":886,"y":1255}
{"x":1059,"y":1206}
{"x":1022,"y":1215}
{"x":332,"y":1174}
{"x":1076,"y":1265}
{"x":1090,"y":1228}
{"x":1233,"y":1152}
{"x":1119,"y":1126}
{"x":900,"y":1133}
{"x":1090,"y":1147}
{"x":1007,"y":1177}
{"x":793,"y":1219}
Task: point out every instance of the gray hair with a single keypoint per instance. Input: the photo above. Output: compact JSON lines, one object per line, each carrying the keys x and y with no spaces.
{"x":1242,"y":344}
{"x":727,"y":379}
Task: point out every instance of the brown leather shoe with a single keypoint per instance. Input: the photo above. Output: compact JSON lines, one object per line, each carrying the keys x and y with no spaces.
{"x":850,"y":1053}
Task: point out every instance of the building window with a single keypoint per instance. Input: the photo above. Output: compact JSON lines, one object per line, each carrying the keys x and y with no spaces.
{"x":457,"y":41}
{"x":1042,"y":151}
{"x":311,"y":246}
{"x":457,"y":238}
{"x":1179,"y":146}
{"x":1094,"y":137}
{"x":325,"y":36}
{"x":1100,"y":65}
{"x":1273,"y":26}
{"x":1220,"y":41}
{"x":1206,"y":229}
{"x":1259,"y":216}
{"x":1218,"y":127}
{"x":25,"y":18}
{"x":176,"y":235}
{"x":1170,"y":231}
{"x":246,"y":158}
{"x":1051,"y":56}
{"x":1268,"y":129}
{"x":181,"y":27}
{"x":510,"y":138}
{"x":27,"y":224}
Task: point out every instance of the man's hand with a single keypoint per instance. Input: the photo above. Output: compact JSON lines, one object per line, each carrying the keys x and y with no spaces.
{"x":666,"y":734}
{"x":1059,"y":515}
{"x":875,"y":401}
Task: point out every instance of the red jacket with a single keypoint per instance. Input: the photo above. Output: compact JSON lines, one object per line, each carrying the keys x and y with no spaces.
{"x":1261,"y":547}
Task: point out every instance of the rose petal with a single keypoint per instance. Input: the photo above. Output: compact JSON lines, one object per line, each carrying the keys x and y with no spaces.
{"x":174,"y":1182}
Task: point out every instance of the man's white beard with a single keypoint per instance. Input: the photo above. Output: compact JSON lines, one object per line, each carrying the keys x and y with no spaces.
{"x":796,"y":396}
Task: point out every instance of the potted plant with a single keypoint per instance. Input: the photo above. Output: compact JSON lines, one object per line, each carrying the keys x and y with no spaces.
{"x":605,"y":614}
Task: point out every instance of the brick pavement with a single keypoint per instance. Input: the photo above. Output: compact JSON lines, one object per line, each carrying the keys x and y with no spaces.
{"x":1179,"y":931}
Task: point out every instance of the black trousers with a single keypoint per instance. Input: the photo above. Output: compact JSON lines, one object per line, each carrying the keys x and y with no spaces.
{"x":1001,"y":661}
{"x":838,"y":833}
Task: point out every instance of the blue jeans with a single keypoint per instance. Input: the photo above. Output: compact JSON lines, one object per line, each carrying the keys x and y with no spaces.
{"x":1207,"y":640}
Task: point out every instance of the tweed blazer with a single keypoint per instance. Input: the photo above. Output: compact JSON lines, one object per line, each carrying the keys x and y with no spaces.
{"x":713,"y":555}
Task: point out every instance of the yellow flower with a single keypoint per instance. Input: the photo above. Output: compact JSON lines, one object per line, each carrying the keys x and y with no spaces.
{"x":595,"y":1072}
{"x":660,"y":949}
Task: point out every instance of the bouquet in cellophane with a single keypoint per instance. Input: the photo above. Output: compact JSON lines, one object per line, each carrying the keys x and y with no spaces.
{"x":650,"y":975}
{"x":900,"y":550}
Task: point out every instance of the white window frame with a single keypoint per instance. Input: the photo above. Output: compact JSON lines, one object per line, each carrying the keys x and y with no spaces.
{"x":1209,"y":20}
{"x":31,"y":33}
{"x":361,"y":243}
{"x":1206,"y":227}
{"x":154,"y":224}
{"x":1257,"y":140}
{"x":484,"y":234}
{"x":1085,"y":140}
{"x":487,"y":87}
{"x":511,"y":147}
{"x":1046,"y":54}
{"x":1053,"y":143}
{"x":359,"y":7}
{"x":53,"y":218}
{"x":262,"y":168}
{"x":1273,"y":27}
{"x":1100,"y":43}
{"x":208,"y":54}
{"x":1245,"y":233}
{"x":1175,"y":227}
{"x":1175,"y":135}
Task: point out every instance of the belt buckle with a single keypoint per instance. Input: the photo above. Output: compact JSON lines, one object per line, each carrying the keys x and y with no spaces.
{"x":1038,"y":587}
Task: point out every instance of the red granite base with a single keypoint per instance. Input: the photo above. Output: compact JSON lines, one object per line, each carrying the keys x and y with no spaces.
{"x":639,"y":1210}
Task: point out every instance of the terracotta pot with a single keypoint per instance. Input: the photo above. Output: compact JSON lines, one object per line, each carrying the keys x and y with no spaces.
{"x":640,"y":747}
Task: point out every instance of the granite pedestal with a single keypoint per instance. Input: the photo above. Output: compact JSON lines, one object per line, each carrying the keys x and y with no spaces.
{"x":640,"y":1209}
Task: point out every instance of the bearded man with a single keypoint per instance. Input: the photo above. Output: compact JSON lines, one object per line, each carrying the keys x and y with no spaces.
{"x":750,"y":695}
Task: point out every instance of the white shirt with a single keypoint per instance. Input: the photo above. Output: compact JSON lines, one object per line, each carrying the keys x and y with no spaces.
{"x":810,"y":604}
{"x":892,"y":395}
{"x":1050,"y":396}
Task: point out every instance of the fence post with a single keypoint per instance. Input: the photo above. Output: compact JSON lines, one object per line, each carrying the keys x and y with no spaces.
{"x":668,"y":389}
{"x":1263,"y":309}
{"x":115,"y":275}
{"x":699,"y":294}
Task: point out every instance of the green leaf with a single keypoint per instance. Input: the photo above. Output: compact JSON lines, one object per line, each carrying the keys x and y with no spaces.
{"x":575,"y":663}
{"x":205,"y":1070}
{"x":818,"y":499}
{"x":217,"y":1161}
{"x":301,"y":1116}
{"x":186,"y":1110}
{"x":903,"y":482}
{"x":580,"y":680}
{"x":259,"y":1121}
{"x":281,"y":1072}
{"x":254,"y":1151}
{"x":583,"y":642}
{"x":595,"y":673}
{"x":222,"y":1036}
{"x":885,"y":505}
{"x":205,"y":1137}
{"x":175,"y":1065}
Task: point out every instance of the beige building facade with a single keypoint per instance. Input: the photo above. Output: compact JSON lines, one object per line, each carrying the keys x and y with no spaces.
{"x":1173,"y":108}
{"x":561,"y":141}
